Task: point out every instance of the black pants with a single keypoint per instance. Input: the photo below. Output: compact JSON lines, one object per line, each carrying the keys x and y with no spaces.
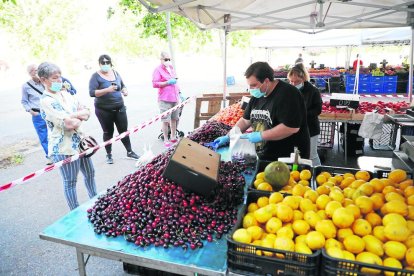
{"x":107,"y":118}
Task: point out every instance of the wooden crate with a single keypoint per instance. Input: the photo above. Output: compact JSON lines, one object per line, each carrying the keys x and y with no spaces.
{"x":214,"y":103}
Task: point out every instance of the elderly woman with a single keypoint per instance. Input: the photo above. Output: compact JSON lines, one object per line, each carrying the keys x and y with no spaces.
{"x":164,"y":78}
{"x":299,"y":77}
{"x":64,"y":116}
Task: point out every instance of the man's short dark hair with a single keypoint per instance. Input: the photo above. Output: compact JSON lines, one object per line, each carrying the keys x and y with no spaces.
{"x":261,"y":70}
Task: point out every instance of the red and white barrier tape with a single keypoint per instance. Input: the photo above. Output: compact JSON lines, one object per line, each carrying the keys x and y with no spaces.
{"x":375,"y":96}
{"x":49,"y":168}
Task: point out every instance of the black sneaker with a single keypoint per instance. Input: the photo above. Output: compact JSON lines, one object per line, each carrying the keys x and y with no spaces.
{"x":132,"y":155}
{"x":109,"y":159}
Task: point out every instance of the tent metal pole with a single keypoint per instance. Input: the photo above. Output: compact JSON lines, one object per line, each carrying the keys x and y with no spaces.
{"x":225,"y":68}
{"x":410,"y":72}
{"x":170,"y":40}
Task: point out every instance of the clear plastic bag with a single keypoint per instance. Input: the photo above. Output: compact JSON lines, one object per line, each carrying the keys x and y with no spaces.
{"x":241,"y":150}
{"x":146,"y":157}
{"x":371,"y":126}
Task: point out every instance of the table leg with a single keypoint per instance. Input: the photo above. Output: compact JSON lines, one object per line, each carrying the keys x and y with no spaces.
{"x":81,"y":262}
{"x":345,"y":140}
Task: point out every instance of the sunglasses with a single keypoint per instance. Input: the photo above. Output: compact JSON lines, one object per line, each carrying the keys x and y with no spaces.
{"x":167,"y":59}
{"x":105,"y":62}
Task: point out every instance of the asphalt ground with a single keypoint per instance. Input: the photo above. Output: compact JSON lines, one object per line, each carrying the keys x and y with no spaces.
{"x":29,"y":208}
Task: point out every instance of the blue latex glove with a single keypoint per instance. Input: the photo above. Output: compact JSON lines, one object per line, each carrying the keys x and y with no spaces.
{"x":254,"y":137}
{"x":171,"y":81}
{"x":222,"y":140}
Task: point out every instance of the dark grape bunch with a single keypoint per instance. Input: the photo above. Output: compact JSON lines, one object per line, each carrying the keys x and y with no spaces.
{"x":209,"y":132}
{"x":148,"y":210}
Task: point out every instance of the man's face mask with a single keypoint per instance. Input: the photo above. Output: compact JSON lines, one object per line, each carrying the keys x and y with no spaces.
{"x":256,"y":92}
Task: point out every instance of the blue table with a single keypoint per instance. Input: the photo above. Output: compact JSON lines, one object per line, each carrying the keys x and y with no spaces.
{"x":75,"y":230}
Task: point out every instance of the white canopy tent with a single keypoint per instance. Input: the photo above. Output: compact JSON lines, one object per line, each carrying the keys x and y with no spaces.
{"x":300,"y":15}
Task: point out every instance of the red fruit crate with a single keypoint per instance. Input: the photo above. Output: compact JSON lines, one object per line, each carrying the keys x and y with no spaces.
{"x":244,"y":259}
{"x":341,"y":267}
{"x":261,"y":165}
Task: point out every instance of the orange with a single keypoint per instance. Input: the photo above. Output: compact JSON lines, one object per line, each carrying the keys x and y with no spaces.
{"x":387,"y":182}
{"x":388,"y":189}
{"x":302,"y":248}
{"x":262,"y":201}
{"x":373,"y":245}
{"x":291,"y":202}
{"x":252,"y":207}
{"x":379,"y":233}
{"x":378,"y":200}
{"x":369,"y":258}
{"x":269,"y":244}
{"x":410,"y":212}
{"x":284,"y":212}
{"x":367,"y":189}
{"x":272,"y":208}
{"x":405,"y":184}
{"x":396,"y":232}
{"x":395,"y":249}
{"x":333,"y":243}
{"x":255,"y":232}
{"x":283,"y":243}
{"x":286,"y":232}
{"x":292,"y":181}
{"x":322,"y":201}
{"x":331,"y":207}
{"x":323,"y":190}
{"x":306,"y":205}
{"x":262,"y":215}
{"x":409,"y":256}
{"x":393,"y":196}
{"x":315,"y":240}
{"x":242,"y":235}
{"x":300,"y":227}
{"x":257,"y":182}
{"x":409,"y":191}
{"x":304,"y":182}
{"x":356,"y":183}
{"x":348,"y":201}
{"x":336,"y":195}
{"x":348,"y":255}
{"x":349,"y":192}
{"x":273,"y":225}
{"x":295,"y":175}
{"x":342,"y":218}
{"x":361,"y":227}
{"x":333,"y":180}
{"x":312,"y":195}
{"x":410,"y":225}
{"x":346,"y":182}
{"x":335,"y":252}
{"x":264,"y":186}
{"x":394,"y":219}
{"x":374,"y":219}
{"x":354,"y":244}
{"x":327,"y":228}
{"x":343,"y":233}
{"x":311,"y":217}
{"x":249,"y":220}
{"x":395,"y":206}
{"x":397,"y":175}
{"x":298,"y":190}
{"x":409,"y":242}
{"x":391,"y":262}
{"x":364,"y":175}
{"x":353,"y":209}
{"x":297,"y":215}
{"x":339,"y":178}
{"x":275,"y":197}
{"x":320,"y":179}
{"x":322,"y":214}
{"x":410,"y":200}
{"x":377,"y":184}
{"x":305,"y":175}
{"x":365,"y":204}
{"x":329,"y":184}
{"x":326,"y":174}
{"x":346,"y":175}
{"x":300,"y":239}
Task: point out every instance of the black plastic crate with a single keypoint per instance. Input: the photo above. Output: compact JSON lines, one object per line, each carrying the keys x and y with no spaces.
{"x":342,"y":267}
{"x":326,"y":136}
{"x":387,"y":140}
{"x":261,"y":165}
{"x":242,"y":258}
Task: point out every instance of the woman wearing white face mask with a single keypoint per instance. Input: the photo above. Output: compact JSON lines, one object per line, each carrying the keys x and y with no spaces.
{"x":299,"y":77}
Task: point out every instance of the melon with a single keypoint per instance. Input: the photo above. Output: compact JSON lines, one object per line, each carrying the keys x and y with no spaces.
{"x":277,"y":174}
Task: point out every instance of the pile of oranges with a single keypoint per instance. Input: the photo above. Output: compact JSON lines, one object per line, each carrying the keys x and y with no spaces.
{"x":302,"y":177}
{"x":351,"y":216}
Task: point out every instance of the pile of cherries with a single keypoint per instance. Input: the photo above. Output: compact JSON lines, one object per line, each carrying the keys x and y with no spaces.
{"x":209,"y":131}
{"x":148,"y":209}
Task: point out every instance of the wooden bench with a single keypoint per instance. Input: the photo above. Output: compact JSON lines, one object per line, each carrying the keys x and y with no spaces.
{"x":214,"y":103}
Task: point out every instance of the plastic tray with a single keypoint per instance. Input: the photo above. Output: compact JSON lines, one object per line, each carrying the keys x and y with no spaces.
{"x":261,"y":165}
{"x":339,"y":267}
{"x":242,"y":258}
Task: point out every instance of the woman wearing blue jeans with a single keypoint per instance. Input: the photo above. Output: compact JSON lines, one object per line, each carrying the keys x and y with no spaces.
{"x":64,"y":116}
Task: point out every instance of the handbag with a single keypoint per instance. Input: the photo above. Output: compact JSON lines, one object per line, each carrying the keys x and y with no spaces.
{"x":86,"y":143}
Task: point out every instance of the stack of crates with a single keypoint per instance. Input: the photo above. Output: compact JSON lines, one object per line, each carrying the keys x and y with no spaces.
{"x":390,"y":84}
{"x":364,"y":85}
{"x":377,"y":84}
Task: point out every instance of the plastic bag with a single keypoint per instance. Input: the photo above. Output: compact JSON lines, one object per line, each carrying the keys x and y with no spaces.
{"x":146,"y":157}
{"x":241,"y":150}
{"x":371,"y":126}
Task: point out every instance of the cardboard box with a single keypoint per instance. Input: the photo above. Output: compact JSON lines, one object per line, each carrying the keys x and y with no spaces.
{"x":194,"y":167}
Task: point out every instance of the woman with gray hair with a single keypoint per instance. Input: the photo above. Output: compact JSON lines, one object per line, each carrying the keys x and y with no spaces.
{"x":165,"y":79}
{"x":64,"y":116}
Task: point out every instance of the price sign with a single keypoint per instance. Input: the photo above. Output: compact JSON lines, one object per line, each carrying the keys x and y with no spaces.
{"x":341,"y":99}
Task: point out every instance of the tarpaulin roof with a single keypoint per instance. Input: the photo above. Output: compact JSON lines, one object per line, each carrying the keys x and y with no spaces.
{"x":345,"y":37}
{"x":292,"y":14}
